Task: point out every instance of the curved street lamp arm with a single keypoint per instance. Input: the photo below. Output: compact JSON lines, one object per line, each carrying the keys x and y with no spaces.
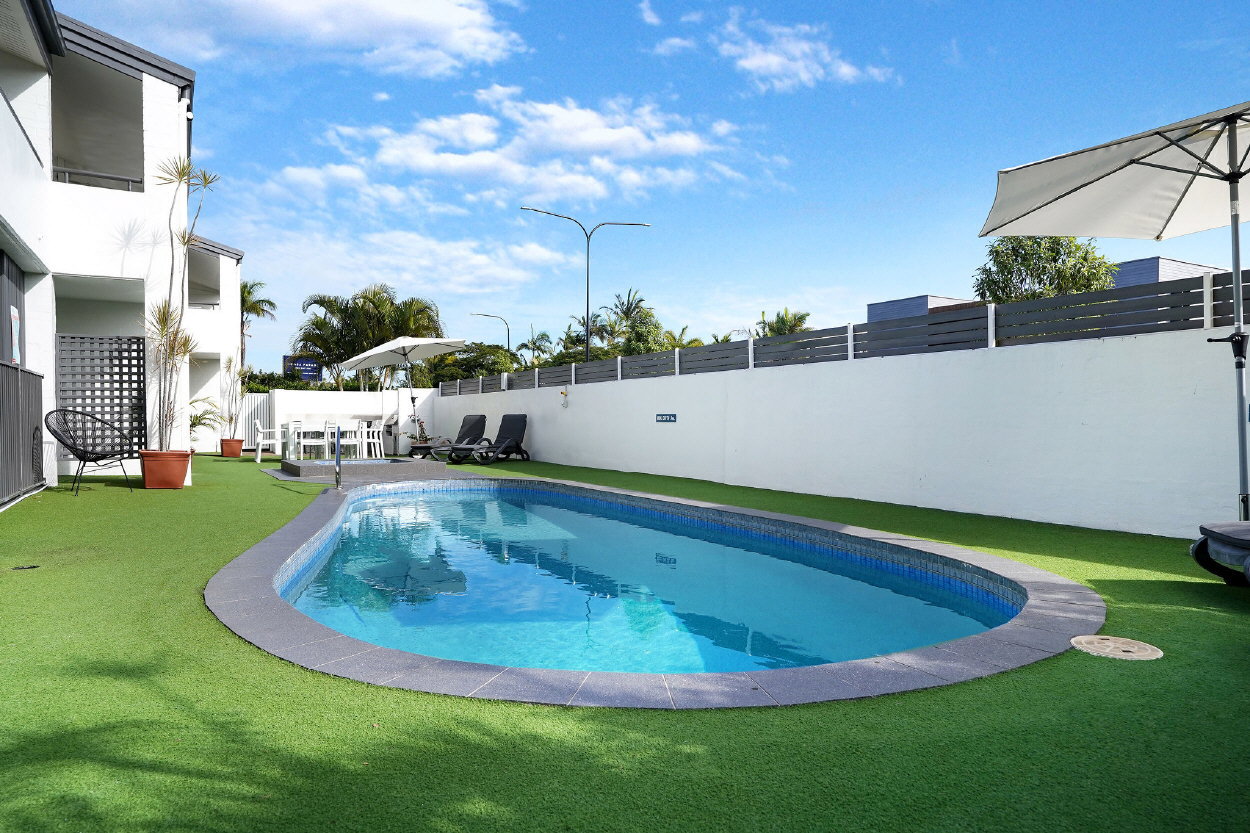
{"x":562,"y":217}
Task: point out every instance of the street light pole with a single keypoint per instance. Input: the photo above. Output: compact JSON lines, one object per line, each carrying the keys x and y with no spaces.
{"x":507,"y":329}
{"x":588,"y":236}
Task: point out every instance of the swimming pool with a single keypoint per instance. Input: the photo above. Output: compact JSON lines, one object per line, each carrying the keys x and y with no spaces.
{"x":524,"y":576}
{"x":244,"y":596}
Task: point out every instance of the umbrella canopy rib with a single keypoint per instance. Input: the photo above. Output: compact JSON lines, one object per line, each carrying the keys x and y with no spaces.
{"x":1211,"y":147}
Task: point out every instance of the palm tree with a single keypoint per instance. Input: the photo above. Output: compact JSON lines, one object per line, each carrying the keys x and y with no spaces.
{"x":539,"y":346}
{"x":783,"y":323}
{"x":679,"y":341}
{"x":571,"y":339}
{"x":251,"y":305}
{"x":614,"y":328}
{"x":347,"y":326}
{"x":597,"y":330}
{"x":627,"y":308}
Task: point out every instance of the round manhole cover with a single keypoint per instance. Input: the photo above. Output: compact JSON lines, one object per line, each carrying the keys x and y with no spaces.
{"x":1116,"y":647}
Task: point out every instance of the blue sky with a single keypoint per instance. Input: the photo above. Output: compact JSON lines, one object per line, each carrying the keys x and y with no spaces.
{"x":813,"y":155}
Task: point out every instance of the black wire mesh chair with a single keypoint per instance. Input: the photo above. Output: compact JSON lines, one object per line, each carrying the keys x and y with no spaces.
{"x":90,"y":439}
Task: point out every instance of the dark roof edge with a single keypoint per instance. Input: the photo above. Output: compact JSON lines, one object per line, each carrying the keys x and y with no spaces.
{"x":116,"y":53}
{"x":213,"y":247}
{"x":45,"y":22}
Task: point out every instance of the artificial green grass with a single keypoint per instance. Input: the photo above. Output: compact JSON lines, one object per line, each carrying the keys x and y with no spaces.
{"x":126,"y":706}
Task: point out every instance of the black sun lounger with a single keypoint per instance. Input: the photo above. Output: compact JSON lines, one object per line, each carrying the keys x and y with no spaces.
{"x":472,"y":428}
{"x":506,"y":443}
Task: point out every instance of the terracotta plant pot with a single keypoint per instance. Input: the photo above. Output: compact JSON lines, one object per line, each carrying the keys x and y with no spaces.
{"x":164,"y":469}
{"x":231,"y":448}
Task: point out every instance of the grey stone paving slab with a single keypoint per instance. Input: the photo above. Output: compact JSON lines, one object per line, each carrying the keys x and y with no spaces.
{"x":947,"y":665}
{"x":533,"y":685}
{"x":791,"y":686}
{"x":636,"y":691}
{"x":879,"y":675}
{"x":716,"y":691}
{"x":320,"y":651}
{"x":242,"y":595}
{"x":376,"y":665}
{"x":1005,"y":655}
{"x":448,"y":677}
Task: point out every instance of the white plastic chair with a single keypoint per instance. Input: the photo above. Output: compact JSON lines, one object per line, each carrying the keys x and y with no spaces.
{"x":372,"y":439}
{"x":350,"y":438}
{"x":271,"y":437}
{"x":305,"y":440}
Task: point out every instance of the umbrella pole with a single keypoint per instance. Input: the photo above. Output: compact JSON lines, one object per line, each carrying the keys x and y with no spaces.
{"x":1239,"y":337}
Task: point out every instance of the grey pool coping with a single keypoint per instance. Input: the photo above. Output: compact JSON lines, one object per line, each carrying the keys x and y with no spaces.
{"x":242,"y":595}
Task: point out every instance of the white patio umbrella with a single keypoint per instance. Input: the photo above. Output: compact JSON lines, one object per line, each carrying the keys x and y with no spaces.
{"x":404,"y":350}
{"x":1162,"y":183}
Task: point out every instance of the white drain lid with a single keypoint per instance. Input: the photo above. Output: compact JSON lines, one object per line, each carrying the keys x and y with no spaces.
{"x":1116,"y":647}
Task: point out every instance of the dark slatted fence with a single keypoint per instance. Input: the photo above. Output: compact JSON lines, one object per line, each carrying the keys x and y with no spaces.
{"x":491,"y":384}
{"x":448,"y":389}
{"x":1222,"y":309}
{"x":550,"y":377}
{"x":21,"y":432}
{"x":729,"y":355}
{"x":945,"y":329}
{"x":647,"y":365}
{"x":599,"y":371}
{"x":522,"y":380}
{"x":105,"y":376}
{"x":801,"y":348}
{"x":1146,"y":308}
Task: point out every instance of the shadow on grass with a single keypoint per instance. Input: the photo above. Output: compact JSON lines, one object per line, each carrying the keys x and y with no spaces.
{"x":198,"y":769}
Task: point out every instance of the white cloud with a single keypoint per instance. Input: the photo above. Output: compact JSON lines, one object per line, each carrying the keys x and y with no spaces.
{"x":648,"y":14}
{"x":469,"y":130}
{"x":783,"y":58}
{"x":692,"y":17}
{"x":723,"y":128}
{"x":542,"y":150}
{"x":381,"y":96}
{"x":673,"y":46}
{"x":429,"y":39}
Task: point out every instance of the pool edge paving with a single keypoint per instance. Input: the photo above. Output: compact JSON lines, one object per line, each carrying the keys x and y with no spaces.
{"x":243,"y":596}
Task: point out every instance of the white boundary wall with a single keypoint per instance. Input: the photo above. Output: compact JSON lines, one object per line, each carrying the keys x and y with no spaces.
{"x":1131,"y":433}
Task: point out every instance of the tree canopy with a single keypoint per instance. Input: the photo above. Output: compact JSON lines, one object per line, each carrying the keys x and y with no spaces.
{"x":347,"y":326}
{"x":1025,"y":268}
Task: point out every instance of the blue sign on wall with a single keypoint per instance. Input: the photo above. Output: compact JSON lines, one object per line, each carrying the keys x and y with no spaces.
{"x":666,"y":417}
{"x":308,"y":369}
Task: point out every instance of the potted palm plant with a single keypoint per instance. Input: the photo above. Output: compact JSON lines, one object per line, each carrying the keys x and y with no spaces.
{"x":232,"y":406}
{"x":170,"y":344}
{"x":171,"y":347}
{"x":204,"y":414}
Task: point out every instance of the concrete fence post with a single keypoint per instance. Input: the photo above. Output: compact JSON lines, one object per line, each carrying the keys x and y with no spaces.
{"x":1208,"y":300}
{"x":750,"y":354}
{"x":850,"y":341}
{"x":458,"y":391}
{"x":535,"y":378}
{"x":618,"y":368}
{"x":676,"y":362}
{"x":573,"y":373}
{"x":991,"y":324}
{"x":479,"y":384}
{"x":503,"y":381}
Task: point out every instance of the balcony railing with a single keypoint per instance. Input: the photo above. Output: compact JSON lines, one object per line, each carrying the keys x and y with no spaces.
{"x":117,"y":182}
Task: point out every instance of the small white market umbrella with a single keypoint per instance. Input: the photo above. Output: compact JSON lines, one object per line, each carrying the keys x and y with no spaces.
{"x":1162,"y":183}
{"x":404,"y":350}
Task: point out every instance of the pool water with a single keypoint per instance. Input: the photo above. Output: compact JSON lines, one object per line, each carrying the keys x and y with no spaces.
{"x":548,"y":580}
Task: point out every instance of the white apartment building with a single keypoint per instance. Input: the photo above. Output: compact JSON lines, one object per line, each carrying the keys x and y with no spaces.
{"x":85,"y":243}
